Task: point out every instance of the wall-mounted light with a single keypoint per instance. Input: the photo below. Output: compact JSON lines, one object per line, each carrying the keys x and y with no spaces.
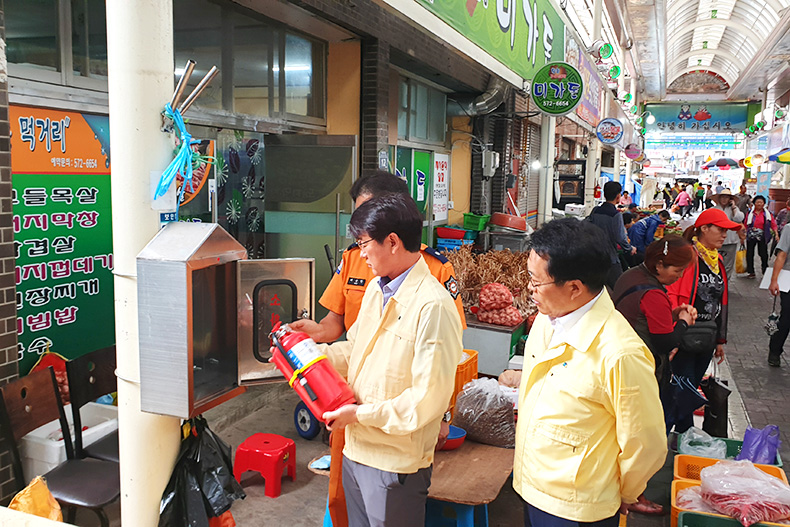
{"x":614,"y":72}
{"x":646,"y":117}
{"x":634,"y":109}
{"x":535,"y":165}
{"x":601,"y":50}
{"x":624,"y":97}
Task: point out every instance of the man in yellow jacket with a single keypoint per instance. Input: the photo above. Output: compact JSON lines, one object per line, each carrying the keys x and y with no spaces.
{"x":590,"y":431}
{"x":400,"y":359}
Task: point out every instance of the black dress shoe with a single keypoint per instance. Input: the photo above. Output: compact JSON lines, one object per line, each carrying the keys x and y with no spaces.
{"x":773,"y":360}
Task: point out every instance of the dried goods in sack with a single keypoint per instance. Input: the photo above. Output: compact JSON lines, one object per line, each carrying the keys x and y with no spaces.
{"x":486,"y":414}
{"x":495,"y":296}
{"x":741,"y":490}
{"x":508,"y":316}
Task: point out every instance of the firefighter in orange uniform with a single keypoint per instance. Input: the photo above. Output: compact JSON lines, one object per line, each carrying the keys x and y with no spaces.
{"x":343,"y":297}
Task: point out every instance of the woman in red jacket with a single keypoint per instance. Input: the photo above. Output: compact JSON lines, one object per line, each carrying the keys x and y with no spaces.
{"x":703,"y":286}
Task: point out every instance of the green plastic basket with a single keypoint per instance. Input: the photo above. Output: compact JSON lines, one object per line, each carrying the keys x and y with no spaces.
{"x":699,"y":519}
{"x":475,"y":222}
{"x":733,"y":449}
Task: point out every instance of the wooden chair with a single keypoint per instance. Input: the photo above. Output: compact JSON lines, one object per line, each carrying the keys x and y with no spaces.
{"x":32,"y":401}
{"x":90,"y":377}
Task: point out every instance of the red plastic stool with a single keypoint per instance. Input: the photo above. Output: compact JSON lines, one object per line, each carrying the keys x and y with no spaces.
{"x":267,"y":454}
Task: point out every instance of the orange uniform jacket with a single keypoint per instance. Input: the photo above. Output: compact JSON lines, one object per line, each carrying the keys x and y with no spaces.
{"x":344,"y":293}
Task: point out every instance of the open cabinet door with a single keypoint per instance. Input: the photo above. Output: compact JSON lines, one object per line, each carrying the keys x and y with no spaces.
{"x":269,"y":291}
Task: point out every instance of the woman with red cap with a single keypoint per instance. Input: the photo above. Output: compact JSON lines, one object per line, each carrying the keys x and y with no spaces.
{"x":703,"y":286}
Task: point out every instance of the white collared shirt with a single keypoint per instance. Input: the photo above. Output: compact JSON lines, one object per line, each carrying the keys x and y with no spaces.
{"x":562,"y":325}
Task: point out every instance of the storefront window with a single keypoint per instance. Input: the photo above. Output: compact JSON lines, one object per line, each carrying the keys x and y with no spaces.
{"x":197,"y":35}
{"x":32,"y":33}
{"x":422,"y":112}
{"x":89,"y":37}
{"x":303,"y":73}
{"x":254,"y":46}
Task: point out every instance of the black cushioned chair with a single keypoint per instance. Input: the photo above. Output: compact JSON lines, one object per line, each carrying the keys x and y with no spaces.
{"x":32,"y":401}
{"x":90,"y":377}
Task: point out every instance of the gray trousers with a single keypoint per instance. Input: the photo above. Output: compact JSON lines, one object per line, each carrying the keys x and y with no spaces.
{"x":376,"y":498}
{"x":727,"y":253}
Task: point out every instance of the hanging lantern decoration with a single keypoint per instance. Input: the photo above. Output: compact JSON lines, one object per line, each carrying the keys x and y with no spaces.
{"x":747,"y":162}
{"x":646,"y":163}
{"x":757,"y":159}
{"x":741,"y":164}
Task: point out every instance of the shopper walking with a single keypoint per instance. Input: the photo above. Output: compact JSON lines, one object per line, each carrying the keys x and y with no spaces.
{"x":708,"y":195}
{"x":699,"y":196}
{"x":744,"y":200}
{"x":703,"y":286}
{"x":684,"y":202}
{"x":781,"y":220}
{"x":610,"y":221}
{"x":593,"y":435}
{"x":726,"y":201}
{"x":666,"y":195}
{"x":760,"y":229}
{"x":777,"y":342}
{"x":719,"y":187}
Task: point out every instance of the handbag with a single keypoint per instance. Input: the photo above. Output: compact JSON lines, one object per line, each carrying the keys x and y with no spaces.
{"x":717,"y":392}
{"x":772,"y":325}
{"x":740,"y":260}
{"x":700,"y":337}
{"x":754,"y":234}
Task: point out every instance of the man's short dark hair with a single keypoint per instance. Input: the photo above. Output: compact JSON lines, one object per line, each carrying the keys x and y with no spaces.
{"x":565,"y":243}
{"x":663,"y":214}
{"x":627,"y":218}
{"x":611,"y":189}
{"x":758,"y":196}
{"x":391,"y":213}
{"x":380,"y":183}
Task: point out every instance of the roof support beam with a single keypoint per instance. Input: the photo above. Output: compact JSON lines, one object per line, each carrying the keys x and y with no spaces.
{"x":678,"y":61}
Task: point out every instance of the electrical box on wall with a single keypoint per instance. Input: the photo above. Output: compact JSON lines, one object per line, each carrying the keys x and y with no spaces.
{"x":490,"y":163}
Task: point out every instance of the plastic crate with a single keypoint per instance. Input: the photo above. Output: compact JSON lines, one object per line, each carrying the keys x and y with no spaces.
{"x":733,"y":449}
{"x":689,"y":467}
{"x":476,"y":222}
{"x":465,"y":372}
{"x":700,"y":519}
{"x":450,"y":242}
{"x":450,"y":232}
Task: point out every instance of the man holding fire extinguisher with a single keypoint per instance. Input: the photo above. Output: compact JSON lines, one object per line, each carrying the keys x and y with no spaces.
{"x":400,"y":360}
{"x":343,"y":298}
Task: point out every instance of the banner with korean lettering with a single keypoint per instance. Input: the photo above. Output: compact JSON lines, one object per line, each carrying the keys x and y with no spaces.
{"x":62,"y":232}
{"x":697,"y":117}
{"x":522,"y":34}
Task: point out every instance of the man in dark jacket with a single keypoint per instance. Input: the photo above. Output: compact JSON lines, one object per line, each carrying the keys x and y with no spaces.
{"x":642,"y":233}
{"x":610,"y":221}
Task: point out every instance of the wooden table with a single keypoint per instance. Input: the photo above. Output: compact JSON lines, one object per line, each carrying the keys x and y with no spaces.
{"x":468,"y":477}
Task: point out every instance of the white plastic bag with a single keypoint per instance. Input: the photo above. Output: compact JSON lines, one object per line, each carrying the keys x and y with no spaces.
{"x":690,"y":499}
{"x":695,"y":442}
{"x":741,"y":490}
{"x":486,"y":413}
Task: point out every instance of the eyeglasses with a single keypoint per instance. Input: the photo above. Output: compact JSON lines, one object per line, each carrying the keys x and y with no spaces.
{"x":535,"y":285}
{"x":362,"y":244}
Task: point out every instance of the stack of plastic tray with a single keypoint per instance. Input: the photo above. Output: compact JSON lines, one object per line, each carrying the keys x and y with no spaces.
{"x":449,"y":244}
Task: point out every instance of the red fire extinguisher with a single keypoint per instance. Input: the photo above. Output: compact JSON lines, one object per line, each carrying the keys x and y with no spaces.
{"x":597,"y":192}
{"x":309,"y":372}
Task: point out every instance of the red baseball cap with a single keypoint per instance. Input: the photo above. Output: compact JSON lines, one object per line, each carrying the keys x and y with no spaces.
{"x":716,"y":217}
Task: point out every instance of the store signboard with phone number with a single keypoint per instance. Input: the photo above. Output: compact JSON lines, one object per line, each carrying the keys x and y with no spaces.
{"x":62,"y":232}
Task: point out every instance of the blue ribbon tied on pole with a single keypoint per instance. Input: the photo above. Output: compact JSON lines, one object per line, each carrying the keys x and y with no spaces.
{"x":183,"y":160}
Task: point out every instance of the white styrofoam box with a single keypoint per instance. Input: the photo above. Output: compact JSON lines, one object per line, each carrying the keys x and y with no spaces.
{"x":575,"y":209}
{"x":44,"y":449}
{"x":516,"y":362}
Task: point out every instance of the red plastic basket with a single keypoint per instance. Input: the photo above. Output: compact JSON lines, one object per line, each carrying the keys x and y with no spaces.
{"x":449,"y":232}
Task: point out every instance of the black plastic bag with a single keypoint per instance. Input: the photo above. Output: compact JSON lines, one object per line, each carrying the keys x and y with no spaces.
{"x":717,"y":392}
{"x":202,"y":485}
{"x":215,"y":470}
{"x":683,"y":399}
{"x":182,"y":502}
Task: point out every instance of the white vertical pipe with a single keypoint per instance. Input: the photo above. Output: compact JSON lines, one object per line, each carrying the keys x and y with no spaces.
{"x":548,"y":129}
{"x":597,"y":15}
{"x":140,"y":62}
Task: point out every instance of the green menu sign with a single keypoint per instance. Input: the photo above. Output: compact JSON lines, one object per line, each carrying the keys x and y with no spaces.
{"x":62,"y":233}
{"x":522,"y":34}
{"x":557,"y":88}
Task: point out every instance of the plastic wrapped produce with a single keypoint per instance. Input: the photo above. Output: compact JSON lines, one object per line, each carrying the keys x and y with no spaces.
{"x":495,"y":296}
{"x":486,"y":414}
{"x":508,"y":316}
{"x":695,"y":442}
{"x":741,"y":490}
{"x":690,"y":499}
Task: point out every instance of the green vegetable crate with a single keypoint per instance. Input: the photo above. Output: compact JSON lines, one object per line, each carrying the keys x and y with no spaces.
{"x":475,"y":222}
{"x":698,"y":519}
{"x":733,"y":449}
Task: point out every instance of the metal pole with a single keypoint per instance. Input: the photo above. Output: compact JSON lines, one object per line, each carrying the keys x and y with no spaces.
{"x":546,"y":185}
{"x":140,"y":83}
{"x":597,"y":14}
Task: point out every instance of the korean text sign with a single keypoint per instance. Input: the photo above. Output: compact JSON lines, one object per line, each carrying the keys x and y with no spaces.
{"x":697,"y":117}
{"x":62,"y":232}
{"x":522,"y":34}
{"x":557,"y":88}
